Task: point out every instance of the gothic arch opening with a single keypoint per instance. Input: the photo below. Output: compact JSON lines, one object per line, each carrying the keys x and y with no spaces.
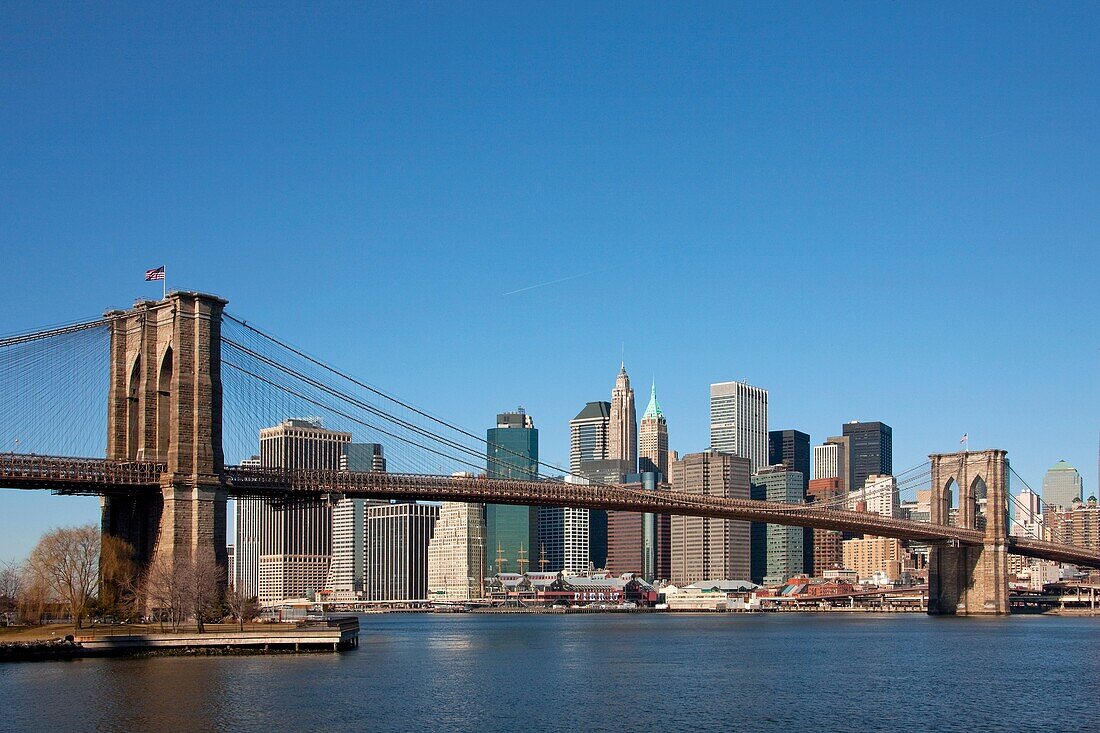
{"x":164,"y":406}
{"x":132,"y":411}
{"x":978,"y":494}
{"x":949,"y":500}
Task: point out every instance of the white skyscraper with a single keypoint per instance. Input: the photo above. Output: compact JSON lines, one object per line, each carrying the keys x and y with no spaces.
{"x":456,"y":552}
{"x":1028,"y":521}
{"x":247,"y":524}
{"x":347,"y":570}
{"x":739,"y":421}
{"x":826,"y":464}
{"x":880,"y":495}
{"x":287,"y":549}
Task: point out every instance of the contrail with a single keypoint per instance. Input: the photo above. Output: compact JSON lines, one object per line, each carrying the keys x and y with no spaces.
{"x":553,"y":282}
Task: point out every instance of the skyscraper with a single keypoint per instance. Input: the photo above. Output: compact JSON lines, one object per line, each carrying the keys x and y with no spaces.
{"x":826,"y":551}
{"x":397,"y":550}
{"x":456,"y":552}
{"x":636,"y":542}
{"x":792,"y":449}
{"x":622,"y":428}
{"x":653,"y":438}
{"x":871,"y":451}
{"x":347,"y":570}
{"x":827,"y":461}
{"x":511,"y":532}
{"x":843,"y":460}
{"x":739,"y":421}
{"x":1061,"y":485}
{"x":567,"y":533}
{"x":588,"y":435}
{"x":778,"y":550}
{"x":879,"y":495}
{"x":294,"y":542}
{"x":248,"y":531}
{"x":705,"y":548}
{"x":608,"y":471}
{"x":563,"y":537}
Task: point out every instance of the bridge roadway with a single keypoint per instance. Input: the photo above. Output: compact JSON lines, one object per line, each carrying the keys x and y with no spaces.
{"x":102,"y":477}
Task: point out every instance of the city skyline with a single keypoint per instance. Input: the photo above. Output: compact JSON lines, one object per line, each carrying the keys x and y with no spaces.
{"x":961,"y":199}
{"x":330,"y":323}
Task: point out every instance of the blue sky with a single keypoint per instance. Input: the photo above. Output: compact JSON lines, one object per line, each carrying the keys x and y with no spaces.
{"x":875,"y":211}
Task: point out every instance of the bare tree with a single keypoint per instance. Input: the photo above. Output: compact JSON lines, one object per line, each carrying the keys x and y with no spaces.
{"x":240,"y":606}
{"x":66,"y":563}
{"x":203,"y":579}
{"x":166,"y":591}
{"x":11,"y":587}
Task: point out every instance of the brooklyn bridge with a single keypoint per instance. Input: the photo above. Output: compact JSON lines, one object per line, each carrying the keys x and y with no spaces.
{"x":180,"y":383}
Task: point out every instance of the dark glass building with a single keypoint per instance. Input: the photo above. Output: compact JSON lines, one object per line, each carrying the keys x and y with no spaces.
{"x":791,"y":448}
{"x":871,"y":451}
{"x":511,"y":532}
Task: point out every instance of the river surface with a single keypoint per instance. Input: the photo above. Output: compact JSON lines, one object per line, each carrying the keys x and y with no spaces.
{"x":601,"y":672}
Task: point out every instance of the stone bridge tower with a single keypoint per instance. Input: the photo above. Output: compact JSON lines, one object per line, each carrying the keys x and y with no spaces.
{"x":970,"y":580}
{"x":165,"y":405}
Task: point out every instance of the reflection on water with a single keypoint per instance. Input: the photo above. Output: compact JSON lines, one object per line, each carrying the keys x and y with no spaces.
{"x":597,"y":672}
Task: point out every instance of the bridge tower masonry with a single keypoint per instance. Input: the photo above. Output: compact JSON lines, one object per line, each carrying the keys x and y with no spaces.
{"x":165,"y":404}
{"x":970,"y":580}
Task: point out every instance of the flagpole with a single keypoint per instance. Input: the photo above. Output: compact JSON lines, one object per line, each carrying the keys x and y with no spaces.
{"x":164,"y":285}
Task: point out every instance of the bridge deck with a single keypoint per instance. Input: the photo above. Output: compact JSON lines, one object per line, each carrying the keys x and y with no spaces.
{"x":100,"y":476}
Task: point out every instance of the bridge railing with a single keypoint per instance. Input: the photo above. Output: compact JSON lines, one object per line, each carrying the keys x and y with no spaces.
{"x":279,"y":483}
{"x":21,"y":468}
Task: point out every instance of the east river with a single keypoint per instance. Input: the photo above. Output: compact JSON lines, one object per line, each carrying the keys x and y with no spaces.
{"x":605,"y":672}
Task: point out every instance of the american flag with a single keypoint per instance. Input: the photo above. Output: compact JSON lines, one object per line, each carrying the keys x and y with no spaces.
{"x":157,"y":274}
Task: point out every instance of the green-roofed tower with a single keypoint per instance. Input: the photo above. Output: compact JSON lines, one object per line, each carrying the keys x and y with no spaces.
{"x":653,"y":437}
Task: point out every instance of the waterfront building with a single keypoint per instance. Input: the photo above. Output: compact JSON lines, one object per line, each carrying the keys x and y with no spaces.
{"x":827,"y":551}
{"x":871,"y":556}
{"x":397,"y":537}
{"x":1061,"y":485}
{"x":871,"y":451}
{"x":703,"y":548}
{"x":588,"y":435}
{"x":456,"y":552}
{"x":560,"y":589}
{"x":294,"y":542}
{"x":879,"y":495}
{"x":637,"y":542}
{"x":563,"y":537}
{"x":739,"y":421}
{"x":511,"y":532}
{"x":653,"y":452}
{"x":778,"y":551}
{"x":622,"y":427}
{"x":346,"y":577}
